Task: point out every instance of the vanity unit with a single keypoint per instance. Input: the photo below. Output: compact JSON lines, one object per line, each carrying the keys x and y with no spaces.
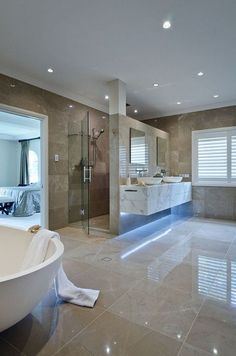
{"x":150,"y":199}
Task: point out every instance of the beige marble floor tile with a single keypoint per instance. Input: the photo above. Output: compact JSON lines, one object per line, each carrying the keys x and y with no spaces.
{"x":117,"y":243}
{"x":85,"y":252}
{"x":144,"y":256}
{"x":162,"y":309}
{"x":199,"y":243}
{"x":185,"y":254}
{"x":73,"y":350}
{"x":108,"y":334}
{"x":141,"y":255}
{"x":73,"y":267}
{"x":190,"y":351}
{"x":216,"y":233}
{"x":185,"y":277}
{"x":48,"y":328}
{"x":136,"y":270}
{"x":81,"y":235}
{"x":155,"y":344}
{"x":214,"y":329}
{"x":69,"y":243}
{"x":111,"y":284}
{"x":225,"y":227}
{"x":100,"y":222}
{"x":231,"y":254}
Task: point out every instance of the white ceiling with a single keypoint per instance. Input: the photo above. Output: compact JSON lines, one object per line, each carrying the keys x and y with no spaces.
{"x":89,"y":42}
{"x":14,"y":127}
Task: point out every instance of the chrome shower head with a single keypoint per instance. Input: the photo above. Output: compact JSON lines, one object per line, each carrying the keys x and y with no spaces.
{"x":96,"y":133}
{"x":101,"y":131}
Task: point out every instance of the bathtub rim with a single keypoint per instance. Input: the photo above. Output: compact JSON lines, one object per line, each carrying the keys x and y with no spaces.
{"x":57,"y":254}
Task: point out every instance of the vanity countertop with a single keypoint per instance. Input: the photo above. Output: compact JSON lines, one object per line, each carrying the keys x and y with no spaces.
{"x":149,"y":199}
{"x":153,"y":185}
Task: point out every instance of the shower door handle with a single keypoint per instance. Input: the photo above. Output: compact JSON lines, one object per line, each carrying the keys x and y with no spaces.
{"x":90,"y":174}
{"x":87,"y":174}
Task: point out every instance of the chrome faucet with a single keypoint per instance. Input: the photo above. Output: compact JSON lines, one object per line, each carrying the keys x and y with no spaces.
{"x":141,"y":172}
{"x":163,"y":172}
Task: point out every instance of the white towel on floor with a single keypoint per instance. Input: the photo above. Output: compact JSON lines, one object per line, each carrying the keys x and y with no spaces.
{"x":66,"y":290}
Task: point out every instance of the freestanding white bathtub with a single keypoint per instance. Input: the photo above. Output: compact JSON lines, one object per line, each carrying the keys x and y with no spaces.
{"x":21,"y":291}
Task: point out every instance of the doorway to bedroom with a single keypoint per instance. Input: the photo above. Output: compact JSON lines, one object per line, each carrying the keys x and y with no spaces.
{"x":22,"y":171}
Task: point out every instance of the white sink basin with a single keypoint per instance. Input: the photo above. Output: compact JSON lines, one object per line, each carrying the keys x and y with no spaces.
{"x":149,"y":180}
{"x":172,"y":179}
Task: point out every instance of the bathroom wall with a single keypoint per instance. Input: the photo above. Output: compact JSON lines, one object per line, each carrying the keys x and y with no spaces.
{"x":28,"y":97}
{"x":212,"y":202}
{"x":120,"y":165}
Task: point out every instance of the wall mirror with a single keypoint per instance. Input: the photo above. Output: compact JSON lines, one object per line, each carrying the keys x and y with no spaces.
{"x":161,"y":152}
{"x":138,"y":147}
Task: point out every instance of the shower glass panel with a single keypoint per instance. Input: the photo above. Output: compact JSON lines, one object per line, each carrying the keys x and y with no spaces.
{"x":87,"y":172}
{"x":79,"y":172}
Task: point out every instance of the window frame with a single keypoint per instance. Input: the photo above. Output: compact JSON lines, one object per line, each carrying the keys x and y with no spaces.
{"x":208,"y":182}
{"x":36,"y":155}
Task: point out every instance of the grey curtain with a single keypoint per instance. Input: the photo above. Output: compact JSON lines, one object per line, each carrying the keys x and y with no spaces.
{"x":24,"y":163}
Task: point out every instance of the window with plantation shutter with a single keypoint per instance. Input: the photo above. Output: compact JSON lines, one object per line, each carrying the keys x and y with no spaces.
{"x":138,"y":150}
{"x":214,"y":157}
{"x":233,"y":157}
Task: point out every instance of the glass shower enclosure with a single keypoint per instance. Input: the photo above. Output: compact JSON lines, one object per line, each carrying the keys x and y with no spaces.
{"x":88,"y":198}
{"x":80,"y":172}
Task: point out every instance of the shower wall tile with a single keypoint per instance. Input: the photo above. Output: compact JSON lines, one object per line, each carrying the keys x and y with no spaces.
{"x":61,"y":121}
{"x":211,"y":202}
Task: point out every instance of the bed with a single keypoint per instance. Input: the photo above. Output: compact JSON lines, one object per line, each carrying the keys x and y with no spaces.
{"x":26,"y":199}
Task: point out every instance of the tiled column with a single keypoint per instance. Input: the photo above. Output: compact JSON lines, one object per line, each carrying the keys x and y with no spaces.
{"x":117,"y":107}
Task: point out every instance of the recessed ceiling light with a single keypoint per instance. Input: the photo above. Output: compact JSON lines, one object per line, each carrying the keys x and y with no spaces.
{"x":200,"y":74}
{"x":178,"y":103}
{"x":50,"y":70}
{"x":135,"y":111}
{"x":106,"y":97}
{"x":216,"y":96}
{"x":156,"y":85}
{"x":166,"y":25}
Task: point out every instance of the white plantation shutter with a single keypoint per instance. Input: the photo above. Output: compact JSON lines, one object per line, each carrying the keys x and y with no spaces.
{"x":138,"y":150}
{"x":214,"y":156}
{"x":233,"y":157}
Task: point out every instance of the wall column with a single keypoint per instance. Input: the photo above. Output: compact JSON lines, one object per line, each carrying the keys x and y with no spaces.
{"x":117,"y":107}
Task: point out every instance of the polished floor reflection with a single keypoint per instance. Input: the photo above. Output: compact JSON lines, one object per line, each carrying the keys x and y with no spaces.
{"x":169,"y":292}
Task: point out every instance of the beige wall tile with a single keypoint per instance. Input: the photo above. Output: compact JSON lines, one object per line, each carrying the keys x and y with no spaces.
{"x":208,"y":201}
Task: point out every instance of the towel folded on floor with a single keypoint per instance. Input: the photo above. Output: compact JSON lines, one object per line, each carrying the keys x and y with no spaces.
{"x":66,"y":290}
